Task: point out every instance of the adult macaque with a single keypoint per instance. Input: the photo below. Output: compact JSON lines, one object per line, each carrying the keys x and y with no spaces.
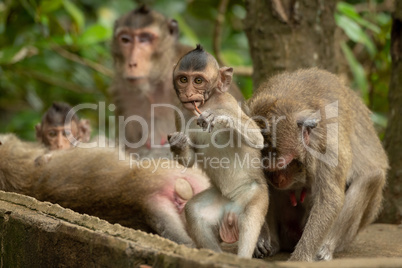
{"x":17,"y":164}
{"x":324,"y":159}
{"x":149,"y":196}
{"x":57,"y":129}
{"x":234,"y":208}
{"x":145,"y":49}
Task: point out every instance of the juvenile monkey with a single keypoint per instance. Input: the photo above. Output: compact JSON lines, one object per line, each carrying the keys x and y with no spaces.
{"x":55,"y":128}
{"x":149,"y":196}
{"x":214,"y":127}
{"x":145,"y":48}
{"x":324,"y":159}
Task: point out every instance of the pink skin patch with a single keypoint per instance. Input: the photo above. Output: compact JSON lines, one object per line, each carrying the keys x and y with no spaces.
{"x":179,"y":202}
{"x":148,"y":144}
{"x":303,"y":195}
{"x":292,"y":197}
{"x":163,"y":140}
{"x":168,"y":191}
{"x":229,"y":228}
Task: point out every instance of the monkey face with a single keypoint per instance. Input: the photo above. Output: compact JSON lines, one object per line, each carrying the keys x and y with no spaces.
{"x":57,"y":137}
{"x":141,"y":42}
{"x":137,"y":47}
{"x":197,"y":76}
{"x":192,"y":88}
{"x":292,"y":176}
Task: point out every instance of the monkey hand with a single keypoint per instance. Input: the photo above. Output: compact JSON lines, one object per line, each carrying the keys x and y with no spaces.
{"x":325,"y":253}
{"x":178,"y":142}
{"x":207,"y":120}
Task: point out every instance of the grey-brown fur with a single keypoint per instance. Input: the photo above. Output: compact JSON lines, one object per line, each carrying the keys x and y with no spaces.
{"x":136,"y":99}
{"x":344,"y":185}
{"x":95,"y":182}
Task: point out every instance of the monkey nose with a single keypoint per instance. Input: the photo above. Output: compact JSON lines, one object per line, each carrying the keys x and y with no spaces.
{"x":132,"y":65}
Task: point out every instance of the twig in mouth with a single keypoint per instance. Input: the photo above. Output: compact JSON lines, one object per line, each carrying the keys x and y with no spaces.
{"x":196,"y":108}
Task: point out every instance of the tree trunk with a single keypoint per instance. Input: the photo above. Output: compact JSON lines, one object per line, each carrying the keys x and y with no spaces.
{"x":290,"y":34}
{"x":392,"y":212}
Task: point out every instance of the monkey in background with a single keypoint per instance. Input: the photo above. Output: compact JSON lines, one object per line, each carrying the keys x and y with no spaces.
{"x":324,"y":159}
{"x":145,"y":48}
{"x":56,"y":130}
{"x":144,"y":196}
{"x":234,"y":207}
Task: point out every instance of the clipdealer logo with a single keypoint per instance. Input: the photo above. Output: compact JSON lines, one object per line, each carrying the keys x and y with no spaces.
{"x":330,"y":156}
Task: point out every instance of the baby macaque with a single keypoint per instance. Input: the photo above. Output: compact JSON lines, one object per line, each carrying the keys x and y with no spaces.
{"x":56,"y":130}
{"x":214,"y":128}
{"x":324,"y":159}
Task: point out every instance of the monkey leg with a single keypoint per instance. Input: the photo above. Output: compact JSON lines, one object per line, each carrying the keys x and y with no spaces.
{"x":252,"y":219}
{"x":166,"y":220}
{"x":361,"y":206}
{"x":203,"y":214}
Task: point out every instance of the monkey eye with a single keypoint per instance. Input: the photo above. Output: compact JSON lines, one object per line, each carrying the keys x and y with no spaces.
{"x":125,"y":38}
{"x":198,"y":80}
{"x":52,"y":133}
{"x":145,"y":37}
{"x":183,"y":79}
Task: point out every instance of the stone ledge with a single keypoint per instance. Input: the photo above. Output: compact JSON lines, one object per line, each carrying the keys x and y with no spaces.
{"x":41,"y":234}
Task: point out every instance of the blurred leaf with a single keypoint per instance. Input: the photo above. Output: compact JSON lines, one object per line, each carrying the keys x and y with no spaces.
{"x":95,"y":34}
{"x":357,"y":70}
{"x":48,"y":6}
{"x":10,"y":55}
{"x":379,"y":119}
{"x":383,"y":18}
{"x":239,"y":11}
{"x":349,"y":11}
{"x":355,"y":33}
{"x":232,"y":57}
{"x":75,"y":13}
{"x":246,"y":86}
{"x":23,"y":123}
{"x":29,"y":6}
{"x":187,"y":32}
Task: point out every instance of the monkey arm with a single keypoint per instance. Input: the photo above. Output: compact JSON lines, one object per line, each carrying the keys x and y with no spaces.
{"x":224,"y":119}
{"x":327,"y":203}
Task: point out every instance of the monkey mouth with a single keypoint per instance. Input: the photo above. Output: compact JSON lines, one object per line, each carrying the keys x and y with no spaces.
{"x":190,"y":105}
{"x":287,"y":177}
{"x":136,"y":79}
{"x":281,"y":179}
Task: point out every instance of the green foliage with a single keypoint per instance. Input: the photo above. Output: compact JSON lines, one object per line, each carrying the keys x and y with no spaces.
{"x":45,"y":47}
{"x":58,"y":50}
{"x":366,"y":49}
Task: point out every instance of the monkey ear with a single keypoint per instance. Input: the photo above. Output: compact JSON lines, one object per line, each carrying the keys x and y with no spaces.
{"x":173,"y":27}
{"x":38,"y":132}
{"x":226,"y":74}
